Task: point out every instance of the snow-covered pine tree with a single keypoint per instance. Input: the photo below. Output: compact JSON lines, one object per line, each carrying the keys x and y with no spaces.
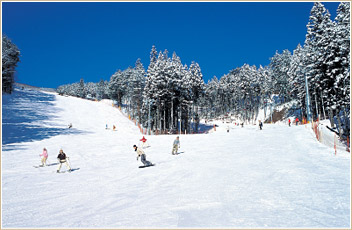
{"x":267,"y":88}
{"x":314,"y":45}
{"x":296,"y":76}
{"x":81,"y":91}
{"x":10,"y":58}
{"x":342,"y":32}
{"x":137,"y":84}
{"x":148,"y":100}
{"x":196,"y":85}
{"x":100,"y":90}
{"x":280,"y":64}
{"x":91,"y":90}
{"x":211,"y":91}
{"x":117,"y":87}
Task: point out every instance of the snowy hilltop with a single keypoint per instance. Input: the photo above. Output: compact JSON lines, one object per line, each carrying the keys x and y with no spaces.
{"x":234,"y":177}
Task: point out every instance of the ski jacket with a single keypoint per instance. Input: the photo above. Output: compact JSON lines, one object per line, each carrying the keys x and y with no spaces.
{"x":62,"y":156}
{"x":177,"y":142}
{"x":139,"y":152}
{"x":44,"y":154}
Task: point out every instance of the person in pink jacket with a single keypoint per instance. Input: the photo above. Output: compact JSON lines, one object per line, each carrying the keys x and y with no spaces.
{"x":44,"y":156}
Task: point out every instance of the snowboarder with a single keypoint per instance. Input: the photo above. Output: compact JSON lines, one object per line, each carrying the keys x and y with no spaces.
{"x":70,"y":125}
{"x":44,"y":156}
{"x":176,"y":145}
{"x":141,"y":154}
{"x":260,"y":124}
{"x":289,"y":122}
{"x":297,"y":120}
{"x":62,"y":159}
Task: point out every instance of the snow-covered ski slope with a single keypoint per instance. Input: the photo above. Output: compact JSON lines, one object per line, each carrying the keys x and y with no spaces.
{"x":247,"y":178}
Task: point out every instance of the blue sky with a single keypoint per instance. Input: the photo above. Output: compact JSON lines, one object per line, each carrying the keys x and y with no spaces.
{"x":61,"y":43}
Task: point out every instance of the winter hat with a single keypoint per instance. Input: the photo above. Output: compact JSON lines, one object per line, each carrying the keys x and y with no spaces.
{"x":134,"y":146}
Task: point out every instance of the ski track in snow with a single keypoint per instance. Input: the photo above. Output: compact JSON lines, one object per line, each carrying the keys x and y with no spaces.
{"x":278,"y":177}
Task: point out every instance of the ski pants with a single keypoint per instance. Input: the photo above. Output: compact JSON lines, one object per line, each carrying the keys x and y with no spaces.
{"x":44,"y":160}
{"x":144,"y":160}
{"x":61,"y":162}
{"x":175,"y":149}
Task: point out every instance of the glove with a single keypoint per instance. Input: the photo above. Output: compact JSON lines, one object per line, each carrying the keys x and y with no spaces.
{"x":137,"y":158}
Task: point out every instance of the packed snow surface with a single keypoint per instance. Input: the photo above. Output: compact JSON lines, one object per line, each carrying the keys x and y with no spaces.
{"x":247,"y":178}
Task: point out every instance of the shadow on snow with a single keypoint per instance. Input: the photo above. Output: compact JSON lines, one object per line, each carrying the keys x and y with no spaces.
{"x":25,"y":117}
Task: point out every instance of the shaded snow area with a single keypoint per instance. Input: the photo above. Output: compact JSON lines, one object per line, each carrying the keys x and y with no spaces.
{"x":247,"y":178}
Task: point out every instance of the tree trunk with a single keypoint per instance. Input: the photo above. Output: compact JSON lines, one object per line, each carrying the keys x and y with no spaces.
{"x":331,"y":117}
{"x":339,"y":123}
{"x":180,"y":118}
{"x":347,"y":121}
{"x":322,"y":104}
{"x":316,"y":105}
{"x":164,"y":117}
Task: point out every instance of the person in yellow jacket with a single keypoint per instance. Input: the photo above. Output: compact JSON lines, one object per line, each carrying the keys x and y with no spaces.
{"x":140,"y":153}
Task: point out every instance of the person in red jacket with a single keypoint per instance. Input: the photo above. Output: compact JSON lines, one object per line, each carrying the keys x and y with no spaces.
{"x":297,"y":120}
{"x":289,"y":122}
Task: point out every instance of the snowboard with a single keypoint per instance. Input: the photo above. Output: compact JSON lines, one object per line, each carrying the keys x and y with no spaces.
{"x":145,"y":166}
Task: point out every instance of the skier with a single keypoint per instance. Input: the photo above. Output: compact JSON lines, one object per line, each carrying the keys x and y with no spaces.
{"x":62,"y":159}
{"x":114,"y":127}
{"x":141,"y":154}
{"x":45,"y":157}
{"x":70,"y":125}
{"x":106,"y":126}
{"x":260,"y":124}
{"x":176,"y":145}
{"x":289,"y":122}
{"x":297,"y":120}
{"x":228,"y":129}
{"x":144,"y":142}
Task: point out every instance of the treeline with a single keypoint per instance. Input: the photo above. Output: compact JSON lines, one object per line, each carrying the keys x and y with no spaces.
{"x":10,"y":58}
{"x":172,"y":96}
{"x":321,"y":67}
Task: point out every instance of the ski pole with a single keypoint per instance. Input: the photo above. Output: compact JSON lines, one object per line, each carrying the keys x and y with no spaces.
{"x":69,"y":162}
